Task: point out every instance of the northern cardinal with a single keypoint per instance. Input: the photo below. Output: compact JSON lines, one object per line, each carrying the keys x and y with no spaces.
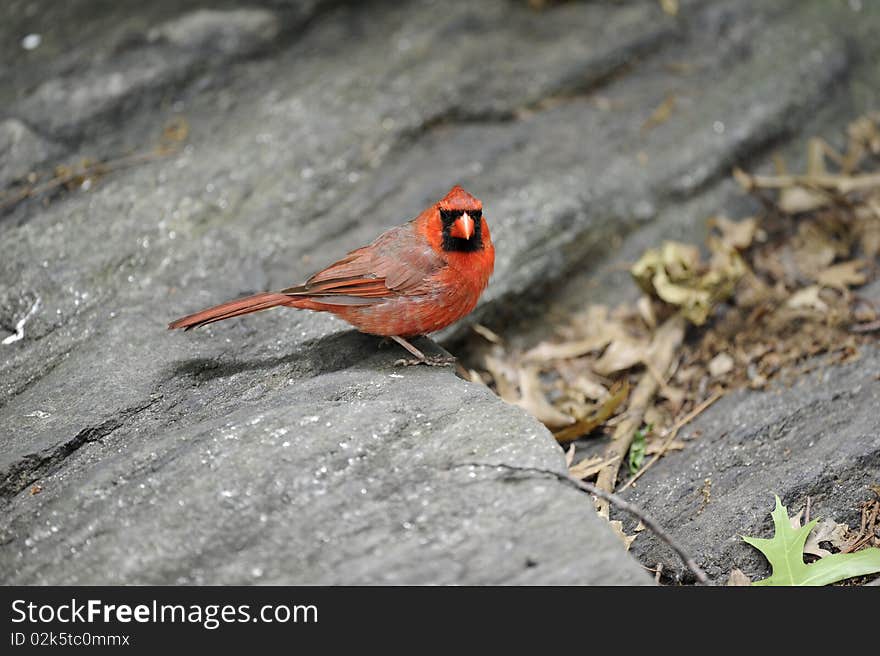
{"x":412,"y":280}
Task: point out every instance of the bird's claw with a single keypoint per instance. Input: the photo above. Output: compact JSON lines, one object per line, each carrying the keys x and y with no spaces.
{"x":431,"y":361}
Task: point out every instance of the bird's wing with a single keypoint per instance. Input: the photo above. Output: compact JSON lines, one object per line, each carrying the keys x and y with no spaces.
{"x":399,"y":262}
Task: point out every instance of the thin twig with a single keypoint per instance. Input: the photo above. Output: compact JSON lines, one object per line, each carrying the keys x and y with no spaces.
{"x":95,"y":168}
{"x":866,"y":532}
{"x":841,"y":183}
{"x":865,"y":327}
{"x":623,"y":505}
{"x":648,"y":521}
{"x":673,"y":433}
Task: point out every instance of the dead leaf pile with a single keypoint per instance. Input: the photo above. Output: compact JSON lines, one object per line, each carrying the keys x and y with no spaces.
{"x":676,"y":275}
{"x":766,"y":295}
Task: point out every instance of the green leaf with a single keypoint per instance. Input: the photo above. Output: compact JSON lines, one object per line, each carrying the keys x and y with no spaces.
{"x":785,"y":552}
{"x":637,"y":449}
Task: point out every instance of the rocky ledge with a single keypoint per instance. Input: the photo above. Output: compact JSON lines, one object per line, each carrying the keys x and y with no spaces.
{"x":285,"y":448}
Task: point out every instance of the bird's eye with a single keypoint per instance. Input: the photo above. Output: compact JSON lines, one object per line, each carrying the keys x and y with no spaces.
{"x":449,"y":216}
{"x":476,"y":214}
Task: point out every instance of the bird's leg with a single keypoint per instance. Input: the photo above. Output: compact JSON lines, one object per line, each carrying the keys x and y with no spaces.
{"x":409,"y":347}
{"x":421,"y":358}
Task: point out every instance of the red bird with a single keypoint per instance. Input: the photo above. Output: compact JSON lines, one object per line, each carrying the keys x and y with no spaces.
{"x":412,"y":280}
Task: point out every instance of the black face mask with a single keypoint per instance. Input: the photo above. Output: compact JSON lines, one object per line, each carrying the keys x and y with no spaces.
{"x":457,"y":244}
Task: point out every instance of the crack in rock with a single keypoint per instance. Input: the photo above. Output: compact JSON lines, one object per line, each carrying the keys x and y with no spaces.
{"x":34,"y":466}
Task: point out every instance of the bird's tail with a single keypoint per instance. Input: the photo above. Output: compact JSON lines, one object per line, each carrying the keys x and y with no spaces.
{"x":254,"y":303}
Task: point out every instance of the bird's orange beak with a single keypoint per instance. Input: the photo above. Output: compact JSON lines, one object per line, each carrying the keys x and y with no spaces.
{"x":463,"y":228}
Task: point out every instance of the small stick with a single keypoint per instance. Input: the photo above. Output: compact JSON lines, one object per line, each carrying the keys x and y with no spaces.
{"x":841,"y":183}
{"x":648,"y":521}
{"x":865,"y":327}
{"x":673,"y":433}
{"x":867,"y":530}
{"x":96,"y":168}
{"x":623,"y":505}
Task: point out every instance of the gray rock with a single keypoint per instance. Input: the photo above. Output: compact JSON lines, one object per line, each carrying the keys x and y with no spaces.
{"x":335,"y":468}
{"x":352,"y":121}
{"x":99,"y":93}
{"x":229,"y":33}
{"x":818,"y":438}
{"x":21,"y":151}
{"x":139,"y":72}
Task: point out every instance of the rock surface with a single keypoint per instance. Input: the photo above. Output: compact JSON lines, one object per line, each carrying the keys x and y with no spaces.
{"x":317,"y":466}
{"x":313,"y":126}
{"x":819,"y":438}
{"x":21,"y":151}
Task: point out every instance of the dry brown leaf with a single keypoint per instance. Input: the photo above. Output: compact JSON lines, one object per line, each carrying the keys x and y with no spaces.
{"x":720,"y":365}
{"x":664,"y":344}
{"x":797,"y":521}
{"x":807,"y":298}
{"x":843,"y":275}
{"x":738,"y":577}
{"x":646,"y":311}
{"x":774,"y":265}
{"x":825,"y":531}
{"x":535,"y":402}
{"x":864,"y":135}
{"x":548,"y":351}
{"x":617,"y":527}
{"x":622,"y":353}
{"x":761,"y":320}
{"x":736,"y":234}
{"x":475,"y":376}
{"x":586,"y":468}
{"x":744,"y":179}
{"x":752,"y":291}
{"x":580,"y":428}
{"x":778,"y":164}
{"x":840,"y":184}
{"x":657,"y":446}
{"x":814,"y":249}
{"x":569,"y":456}
{"x":726,"y":268}
{"x":675,"y":395}
{"x":505,"y":377}
{"x":590,"y":388}
{"x":572,"y":406}
{"x":594,"y":331}
{"x":868,"y":229}
{"x":798,"y":199}
{"x":657,"y":416}
{"x":592,"y":320}
{"x":487,"y":333}
{"x":675,"y":275}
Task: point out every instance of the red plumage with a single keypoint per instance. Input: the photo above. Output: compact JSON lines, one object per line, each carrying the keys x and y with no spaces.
{"x":412,"y":280}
